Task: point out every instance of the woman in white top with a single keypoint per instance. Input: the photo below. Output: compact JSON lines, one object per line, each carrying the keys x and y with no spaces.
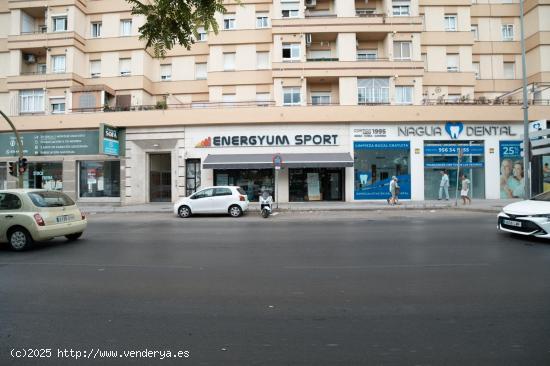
{"x":465,"y":189}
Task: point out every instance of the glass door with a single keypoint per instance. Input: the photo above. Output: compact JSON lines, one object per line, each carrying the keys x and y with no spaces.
{"x":160,"y":178}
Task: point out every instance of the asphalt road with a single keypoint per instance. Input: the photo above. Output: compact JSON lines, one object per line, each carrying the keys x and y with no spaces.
{"x":374,"y":288}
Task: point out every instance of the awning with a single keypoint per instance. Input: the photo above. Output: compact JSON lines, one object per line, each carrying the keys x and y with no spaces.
{"x":265,"y":161}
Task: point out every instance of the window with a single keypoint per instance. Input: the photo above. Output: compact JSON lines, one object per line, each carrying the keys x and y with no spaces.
{"x":166,"y":72}
{"x":320,"y":98}
{"x":200,"y":71}
{"x":291,"y":51}
{"x":202,"y":35}
{"x":475,"y":32}
{"x":204,"y":194}
{"x":58,"y":64}
{"x":9,"y":201}
{"x":262,"y":60}
{"x":262,"y":20}
{"x":59,"y":23}
{"x":229,"y":99}
{"x":124,"y":65}
{"x":229,"y":21}
{"x":44,"y":176}
{"x":126,"y":27}
{"x":290,"y":9}
{"x":41,"y":68}
{"x":450,"y":23}
{"x":507,"y":32}
{"x":452,"y":62}
{"x":95,"y":68}
{"x":99,"y":179}
{"x":425,"y":61}
{"x":87,"y":101}
{"x":291,"y":96}
{"x":367,"y":54}
{"x":373,"y":90}
{"x":31,"y":101}
{"x":319,"y":55}
{"x":229,"y":61}
{"x":262,"y":99}
{"x":475,"y":66}
{"x":404,"y":94}
{"x":57,"y":105}
{"x":402,"y":50}
{"x":509,"y":70}
{"x":401,"y":8}
{"x":96,"y":30}
{"x":222,"y":192}
{"x":192,"y":176}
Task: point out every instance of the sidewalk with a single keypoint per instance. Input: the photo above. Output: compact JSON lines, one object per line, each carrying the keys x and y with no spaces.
{"x":492,"y":206}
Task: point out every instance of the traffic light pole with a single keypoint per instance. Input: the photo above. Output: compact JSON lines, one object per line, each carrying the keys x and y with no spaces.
{"x":19,"y":147}
{"x":526,"y":140}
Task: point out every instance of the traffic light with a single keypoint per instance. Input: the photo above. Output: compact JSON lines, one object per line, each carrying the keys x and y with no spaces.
{"x":12,"y":168}
{"x":22,"y":165}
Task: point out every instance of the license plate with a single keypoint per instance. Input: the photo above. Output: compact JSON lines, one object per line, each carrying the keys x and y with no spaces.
{"x":512,"y":223}
{"x":64,"y":218}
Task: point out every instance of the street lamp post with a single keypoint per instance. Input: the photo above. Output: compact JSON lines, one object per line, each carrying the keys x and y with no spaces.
{"x":526,"y":141}
{"x":19,"y":148}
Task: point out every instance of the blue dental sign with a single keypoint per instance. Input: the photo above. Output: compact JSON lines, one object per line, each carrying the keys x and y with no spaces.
{"x":454,"y":165}
{"x":452,"y":150}
{"x":510,"y":149}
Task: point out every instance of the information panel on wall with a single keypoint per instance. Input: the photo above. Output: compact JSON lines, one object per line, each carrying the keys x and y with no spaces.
{"x":511,"y":170}
{"x":69,"y":142}
{"x":376,"y":162}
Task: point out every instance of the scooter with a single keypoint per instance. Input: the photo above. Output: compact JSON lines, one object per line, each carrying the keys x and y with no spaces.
{"x":266,"y":205}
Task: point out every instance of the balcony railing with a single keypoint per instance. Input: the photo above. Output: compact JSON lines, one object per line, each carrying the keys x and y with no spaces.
{"x":483,"y":101}
{"x":322,"y":59}
{"x":319,"y":14}
{"x":367,"y":13}
{"x":161,"y":106}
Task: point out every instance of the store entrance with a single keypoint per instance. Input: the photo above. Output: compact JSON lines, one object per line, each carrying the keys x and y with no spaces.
{"x":3,"y":176}
{"x":316,"y":184}
{"x":160,"y":178}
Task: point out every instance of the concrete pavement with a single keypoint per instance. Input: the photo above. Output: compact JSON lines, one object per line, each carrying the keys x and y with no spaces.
{"x":490,"y":206}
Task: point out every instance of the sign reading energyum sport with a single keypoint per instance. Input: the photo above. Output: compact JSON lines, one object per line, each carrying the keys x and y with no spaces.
{"x":269,"y":140}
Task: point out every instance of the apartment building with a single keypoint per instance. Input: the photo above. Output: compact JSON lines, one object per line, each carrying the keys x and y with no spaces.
{"x":348,"y":92}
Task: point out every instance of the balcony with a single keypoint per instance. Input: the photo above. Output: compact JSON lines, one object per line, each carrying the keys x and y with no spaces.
{"x":360,"y":68}
{"x":380,"y":24}
{"x":46,"y":40}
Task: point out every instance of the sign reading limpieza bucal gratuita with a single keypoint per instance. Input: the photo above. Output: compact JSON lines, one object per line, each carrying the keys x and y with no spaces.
{"x":269,"y":140}
{"x":69,"y":142}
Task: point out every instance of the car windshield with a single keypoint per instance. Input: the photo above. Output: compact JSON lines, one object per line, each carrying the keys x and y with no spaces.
{"x":542,"y":197}
{"x":50,"y":199}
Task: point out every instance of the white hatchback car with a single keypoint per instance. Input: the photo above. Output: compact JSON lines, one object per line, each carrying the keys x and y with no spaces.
{"x":220,"y":199}
{"x":28,"y":215}
{"x":530,"y":217}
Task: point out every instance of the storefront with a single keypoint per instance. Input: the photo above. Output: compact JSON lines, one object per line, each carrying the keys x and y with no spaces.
{"x":488,"y":154}
{"x":66,"y":160}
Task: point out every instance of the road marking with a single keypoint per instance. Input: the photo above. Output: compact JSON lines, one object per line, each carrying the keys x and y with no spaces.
{"x":393,"y":266}
{"x":100,"y":265}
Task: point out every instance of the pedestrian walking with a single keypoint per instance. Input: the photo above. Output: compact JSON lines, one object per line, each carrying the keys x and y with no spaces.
{"x":444,"y":185}
{"x":394,"y":191}
{"x":464,"y":192}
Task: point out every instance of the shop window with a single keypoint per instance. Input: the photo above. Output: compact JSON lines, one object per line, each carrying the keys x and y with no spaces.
{"x":192,"y":176}
{"x":44,"y":176}
{"x":253,"y":181}
{"x":375,"y":165}
{"x":512,"y":180}
{"x":443,"y":156}
{"x":316,"y":184}
{"x":99,"y":179}
{"x":3,"y":176}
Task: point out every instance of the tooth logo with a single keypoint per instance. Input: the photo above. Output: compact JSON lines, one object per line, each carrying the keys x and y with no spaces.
{"x":454,"y":129}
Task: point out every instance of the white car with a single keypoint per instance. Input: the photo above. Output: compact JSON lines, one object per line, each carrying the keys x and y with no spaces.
{"x":530,"y":217}
{"x":220,"y":199}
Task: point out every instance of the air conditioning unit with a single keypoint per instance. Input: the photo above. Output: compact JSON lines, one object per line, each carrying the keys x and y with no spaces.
{"x":308,"y":39}
{"x":311,"y":3}
{"x":29,"y":58}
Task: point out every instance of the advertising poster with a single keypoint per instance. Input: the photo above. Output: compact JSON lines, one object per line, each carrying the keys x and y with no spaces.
{"x":511,"y":170}
{"x":313,"y":187}
{"x":376,"y":162}
{"x":546,"y":173}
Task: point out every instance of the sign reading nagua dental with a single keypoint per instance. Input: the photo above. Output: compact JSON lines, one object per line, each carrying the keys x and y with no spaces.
{"x":456,"y":130}
{"x":269,"y":140}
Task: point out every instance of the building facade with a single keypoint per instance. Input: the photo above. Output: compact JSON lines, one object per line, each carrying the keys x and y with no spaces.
{"x":347,"y":93}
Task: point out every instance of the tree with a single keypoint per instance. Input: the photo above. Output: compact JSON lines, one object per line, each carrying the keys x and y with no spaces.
{"x":175,"y":21}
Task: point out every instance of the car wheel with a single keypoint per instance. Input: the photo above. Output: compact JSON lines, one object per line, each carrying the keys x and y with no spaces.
{"x":74,"y":236}
{"x":20,"y":239}
{"x":184,"y":212}
{"x":235,"y":211}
